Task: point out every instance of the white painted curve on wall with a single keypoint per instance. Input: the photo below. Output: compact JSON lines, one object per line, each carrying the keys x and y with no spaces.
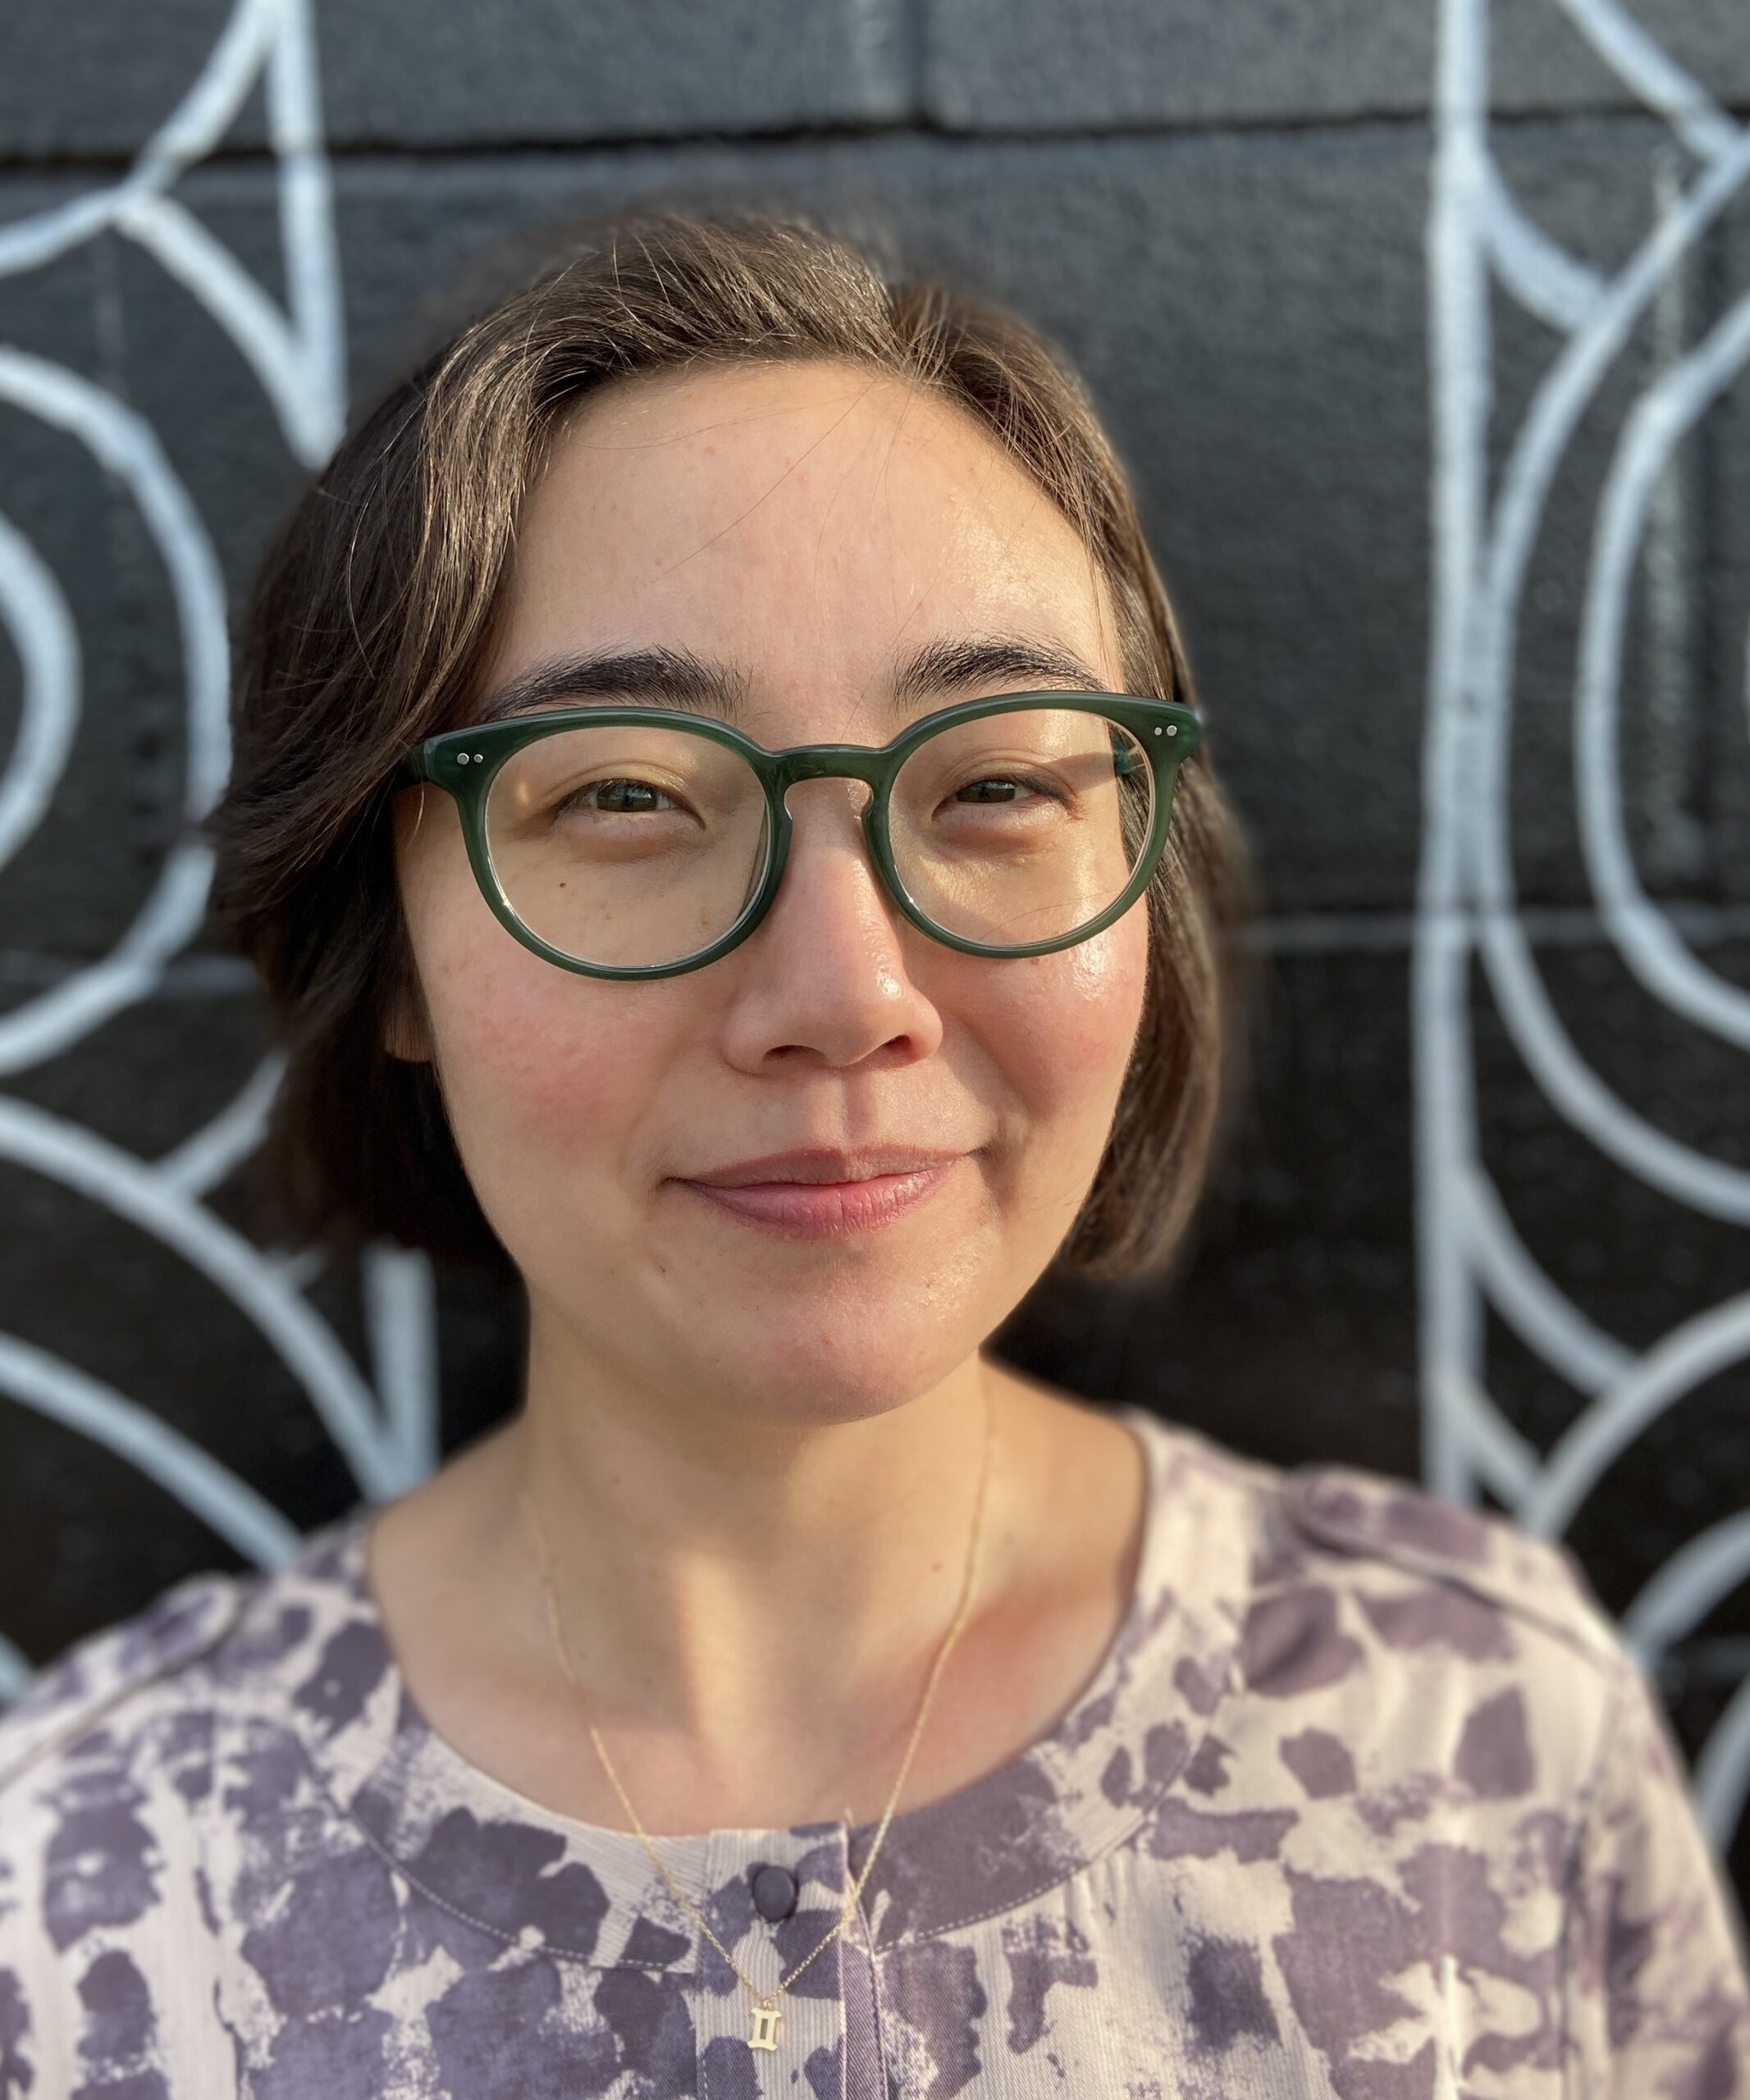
{"x":35,"y":611}
{"x":1472,"y":1261}
{"x":384,"y":1424}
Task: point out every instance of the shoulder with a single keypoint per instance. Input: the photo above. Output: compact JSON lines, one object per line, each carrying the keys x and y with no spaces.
{"x":1420,"y":1633}
{"x":1359,"y":1524}
{"x":111,"y":1676}
{"x":1347,"y":1527}
{"x":159,"y":1679}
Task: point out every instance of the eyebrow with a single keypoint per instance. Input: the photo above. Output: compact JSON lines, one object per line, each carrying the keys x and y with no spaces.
{"x":678,"y":678}
{"x":941,"y":668}
{"x":642,"y":678}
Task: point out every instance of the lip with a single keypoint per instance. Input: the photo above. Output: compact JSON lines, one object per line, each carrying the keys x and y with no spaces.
{"x":818,"y":1193}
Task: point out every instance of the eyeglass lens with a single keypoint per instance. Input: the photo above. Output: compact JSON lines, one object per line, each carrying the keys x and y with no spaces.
{"x":634,"y":846}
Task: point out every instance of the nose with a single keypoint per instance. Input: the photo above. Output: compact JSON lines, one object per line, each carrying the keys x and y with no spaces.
{"x":825,"y":979}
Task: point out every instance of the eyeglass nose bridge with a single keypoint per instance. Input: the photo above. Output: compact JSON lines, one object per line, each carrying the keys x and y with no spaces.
{"x":873,"y":768}
{"x":831,"y":762}
{"x":860,"y":762}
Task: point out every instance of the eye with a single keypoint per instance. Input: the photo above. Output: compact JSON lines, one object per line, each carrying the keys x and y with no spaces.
{"x":622,"y":798}
{"x":997,"y":788}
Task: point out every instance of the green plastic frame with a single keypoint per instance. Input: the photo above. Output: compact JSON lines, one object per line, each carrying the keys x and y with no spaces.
{"x":463,"y":763}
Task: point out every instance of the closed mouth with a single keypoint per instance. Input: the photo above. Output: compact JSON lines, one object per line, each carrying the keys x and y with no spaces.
{"x":822,"y":1194}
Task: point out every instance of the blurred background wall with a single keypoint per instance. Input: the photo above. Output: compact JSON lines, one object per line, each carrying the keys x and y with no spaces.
{"x":1421,"y":323}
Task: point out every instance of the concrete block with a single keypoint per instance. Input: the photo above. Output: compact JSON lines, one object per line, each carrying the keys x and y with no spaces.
{"x":1540,"y":59}
{"x":96,"y":81}
{"x":991,"y":66}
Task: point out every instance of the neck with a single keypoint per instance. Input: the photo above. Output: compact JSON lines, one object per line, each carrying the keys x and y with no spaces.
{"x":753,"y":1609}
{"x":715,"y":1577}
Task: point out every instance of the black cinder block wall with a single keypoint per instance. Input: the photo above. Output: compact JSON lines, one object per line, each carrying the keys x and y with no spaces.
{"x":1242,"y":222}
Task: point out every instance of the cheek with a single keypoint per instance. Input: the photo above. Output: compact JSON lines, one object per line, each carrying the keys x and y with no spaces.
{"x":1061,"y":1027}
{"x":540,"y":1068}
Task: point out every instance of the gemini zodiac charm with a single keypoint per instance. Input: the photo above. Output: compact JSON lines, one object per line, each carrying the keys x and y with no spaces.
{"x":766,"y":2021}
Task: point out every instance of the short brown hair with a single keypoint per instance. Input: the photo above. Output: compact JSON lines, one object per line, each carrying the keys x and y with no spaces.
{"x":373,"y":609}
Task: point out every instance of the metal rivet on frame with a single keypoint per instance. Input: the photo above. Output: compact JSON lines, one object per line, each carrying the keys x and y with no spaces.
{"x":461,"y":758}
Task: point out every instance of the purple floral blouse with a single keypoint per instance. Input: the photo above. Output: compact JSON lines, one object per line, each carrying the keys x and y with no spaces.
{"x":1366,"y":1800}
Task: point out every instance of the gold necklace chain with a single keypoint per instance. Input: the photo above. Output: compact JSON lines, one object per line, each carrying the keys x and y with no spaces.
{"x":767,"y":2019}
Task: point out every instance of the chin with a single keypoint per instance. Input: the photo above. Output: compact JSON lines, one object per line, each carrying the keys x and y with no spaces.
{"x":857,"y":1345}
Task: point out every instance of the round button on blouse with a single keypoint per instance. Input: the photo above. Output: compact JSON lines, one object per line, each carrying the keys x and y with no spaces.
{"x":774,"y":1893}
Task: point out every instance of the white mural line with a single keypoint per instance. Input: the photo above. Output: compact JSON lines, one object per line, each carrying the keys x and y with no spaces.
{"x":200,"y":1162}
{"x":226,"y":1504}
{"x":300,"y":358}
{"x":1677,"y":841}
{"x":1469,"y":1259}
{"x":93,"y":1167}
{"x":307,"y":220}
{"x":297,"y":1267}
{"x":83,"y":1001}
{"x":1662,"y":417}
{"x":296,"y":353}
{"x":1720,"y":1781}
{"x":1649,"y":71}
{"x":125,"y":446}
{"x":37,"y":617}
{"x":1573,"y":1087}
{"x":255,"y":323}
{"x":1506,"y":1462}
{"x":1541,"y":1316}
{"x":1697,"y":1350}
{"x":400,"y":1311}
{"x":190,"y":132}
{"x":1541,"y":274}
{"x":1702,"y":1572}
{"x":15,"y":1672}
{"x":1450,"y":1319}
{"x":1561,"y":398}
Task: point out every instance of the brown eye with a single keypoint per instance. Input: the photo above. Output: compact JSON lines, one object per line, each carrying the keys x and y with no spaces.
{"x":623,"y":798}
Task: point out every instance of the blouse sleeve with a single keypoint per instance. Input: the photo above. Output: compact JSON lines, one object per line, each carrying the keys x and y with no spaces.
{"x":1656,"y":1984}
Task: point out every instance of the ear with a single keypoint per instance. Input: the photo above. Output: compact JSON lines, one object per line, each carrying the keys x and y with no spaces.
{"x":406,"y":1033}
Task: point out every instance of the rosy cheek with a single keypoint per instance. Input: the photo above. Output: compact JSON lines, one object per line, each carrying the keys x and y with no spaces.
{"x":1066,"y":1022}
{"x":536,"y":1057}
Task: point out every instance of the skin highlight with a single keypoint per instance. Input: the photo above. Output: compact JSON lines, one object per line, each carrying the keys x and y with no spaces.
{"x":754,"y":1390}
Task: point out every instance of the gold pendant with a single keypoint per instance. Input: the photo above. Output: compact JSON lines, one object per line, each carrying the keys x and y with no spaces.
{"x":766,"y":2020}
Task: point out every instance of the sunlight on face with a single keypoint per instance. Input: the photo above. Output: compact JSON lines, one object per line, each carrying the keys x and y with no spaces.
{"x":828,"y":539}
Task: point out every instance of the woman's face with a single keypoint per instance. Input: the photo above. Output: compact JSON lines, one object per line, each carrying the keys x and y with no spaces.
{"x":665,"y":1161}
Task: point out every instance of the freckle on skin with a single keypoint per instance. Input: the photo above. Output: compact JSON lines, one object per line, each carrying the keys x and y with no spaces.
{"x":564,"y":1088}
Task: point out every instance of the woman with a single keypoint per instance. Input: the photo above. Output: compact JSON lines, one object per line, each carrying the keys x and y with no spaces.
{"x":707,"y":750}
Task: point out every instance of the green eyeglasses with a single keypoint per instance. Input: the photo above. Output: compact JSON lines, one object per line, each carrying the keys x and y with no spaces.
{"x":642,"y":842}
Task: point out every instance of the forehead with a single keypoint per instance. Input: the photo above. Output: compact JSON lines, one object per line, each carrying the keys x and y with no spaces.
{"x":810,"y":523}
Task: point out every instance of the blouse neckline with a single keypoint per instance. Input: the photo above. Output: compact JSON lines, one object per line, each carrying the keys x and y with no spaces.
{"x":496,"y":1858}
